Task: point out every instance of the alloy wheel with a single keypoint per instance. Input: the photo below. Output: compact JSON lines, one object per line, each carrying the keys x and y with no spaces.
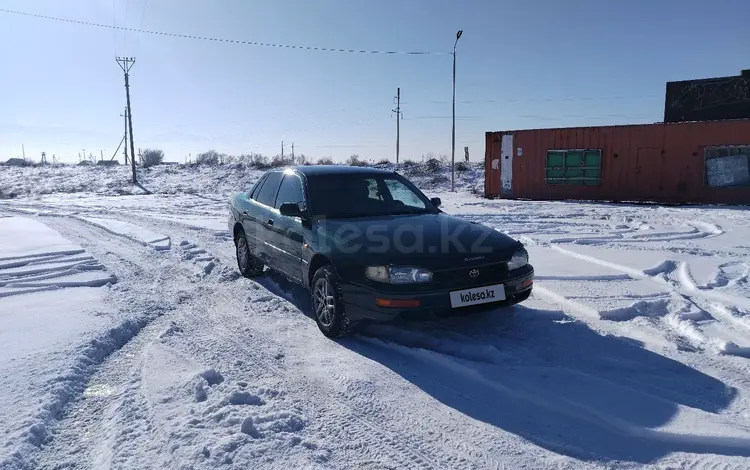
{"x":325,"y":302}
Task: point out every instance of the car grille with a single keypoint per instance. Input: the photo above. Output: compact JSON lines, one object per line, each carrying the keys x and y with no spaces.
{"x":461,"y":277}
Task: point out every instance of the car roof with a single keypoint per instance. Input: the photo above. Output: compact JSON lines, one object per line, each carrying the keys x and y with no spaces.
{"x":309,"y":170}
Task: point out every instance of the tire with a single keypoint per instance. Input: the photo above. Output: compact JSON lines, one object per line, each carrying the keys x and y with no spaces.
{"x":328,"y":307}
{"x":249,"y":265}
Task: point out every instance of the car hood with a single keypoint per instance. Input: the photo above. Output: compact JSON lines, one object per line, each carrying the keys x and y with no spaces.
{"x":434,"y":241}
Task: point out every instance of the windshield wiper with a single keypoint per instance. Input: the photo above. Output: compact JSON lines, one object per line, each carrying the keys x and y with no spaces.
{"x":344,"y":215}
{"x":407,"y":212}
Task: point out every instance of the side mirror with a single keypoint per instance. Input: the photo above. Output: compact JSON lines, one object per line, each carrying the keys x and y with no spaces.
{"x":290,"y":209}
{"x":436,"y":201}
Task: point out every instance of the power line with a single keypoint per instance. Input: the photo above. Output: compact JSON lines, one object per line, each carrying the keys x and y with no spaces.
{"x":574,"y":98}
{"x":350,"y":146}
{"x":443,"y":117}
{"x":143,"y":14}
{"x":114,"y":24}
{"x":143,"y":22}
{"x":582,"y":116}
{"x":224,"y":40}
{"x":127,"y":7}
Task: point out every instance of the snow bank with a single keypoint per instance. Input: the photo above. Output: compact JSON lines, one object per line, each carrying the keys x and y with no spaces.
{"x":56,"y":327}
{"x":35,"y":258}
{"x":222,"y":180}
{"x":132,"y":232}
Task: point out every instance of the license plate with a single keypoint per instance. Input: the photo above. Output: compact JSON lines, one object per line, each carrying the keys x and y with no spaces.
{"x":477,"y":295}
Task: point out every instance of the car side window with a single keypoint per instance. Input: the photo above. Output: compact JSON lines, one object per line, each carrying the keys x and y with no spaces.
{"x":256,"y":187}
{"x":373,"y":188}
{"x":401,"y":193}
{"x":267,"y":193}
{"x":290,"y":191}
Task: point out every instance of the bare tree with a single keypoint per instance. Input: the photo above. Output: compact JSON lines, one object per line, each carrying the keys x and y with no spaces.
{"x":210,"y":157}
{"x":151,"y":157}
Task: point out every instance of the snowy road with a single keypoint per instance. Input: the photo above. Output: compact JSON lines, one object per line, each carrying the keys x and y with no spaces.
{"x":633,"y":350}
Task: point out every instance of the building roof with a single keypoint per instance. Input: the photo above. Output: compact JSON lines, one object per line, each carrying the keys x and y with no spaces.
{"x":613,"y":126}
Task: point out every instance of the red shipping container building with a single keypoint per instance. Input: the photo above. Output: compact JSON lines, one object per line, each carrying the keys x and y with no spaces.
{"x":685,"y":162}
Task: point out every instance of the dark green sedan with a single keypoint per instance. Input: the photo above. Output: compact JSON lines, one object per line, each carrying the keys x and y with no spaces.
{"x":369,"y":245}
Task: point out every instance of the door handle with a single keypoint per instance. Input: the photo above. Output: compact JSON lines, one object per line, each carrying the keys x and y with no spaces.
{"x":270,"y":222}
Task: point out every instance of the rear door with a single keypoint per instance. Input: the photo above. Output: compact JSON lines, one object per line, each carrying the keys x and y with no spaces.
{"x":262,"y":218}
{"x":289,"y":232}
{"x":248,"y":212}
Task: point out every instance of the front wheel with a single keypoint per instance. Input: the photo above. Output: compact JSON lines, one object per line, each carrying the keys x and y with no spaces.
{"x":249,"y":265}
{"x":327,"y":305}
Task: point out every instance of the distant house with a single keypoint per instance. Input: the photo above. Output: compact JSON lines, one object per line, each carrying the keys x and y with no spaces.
{"x":17,"y":162}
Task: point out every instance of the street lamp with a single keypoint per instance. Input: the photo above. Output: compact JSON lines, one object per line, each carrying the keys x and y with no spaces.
{"x":453,"y":132}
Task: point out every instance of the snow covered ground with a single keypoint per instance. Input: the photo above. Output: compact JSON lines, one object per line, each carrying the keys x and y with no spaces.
{"x":146,"y":349}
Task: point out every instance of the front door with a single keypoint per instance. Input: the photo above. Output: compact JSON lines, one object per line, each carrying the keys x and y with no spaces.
{"x":288,"y":232}
{"x":506,"y":165}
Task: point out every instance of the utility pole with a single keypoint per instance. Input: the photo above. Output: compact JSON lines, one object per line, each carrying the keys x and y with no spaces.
{"x":126,"y":63}
{"x":453,"y":131}
{"x":399,"y":115}
{"x":282,"y":149}
{"x":23,"y":151}
{"x":125,"y":135}
{"x":292,"y":152}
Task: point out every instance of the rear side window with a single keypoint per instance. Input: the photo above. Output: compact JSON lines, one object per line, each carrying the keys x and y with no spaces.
{"x":267,"y":193}
{"x":290,"y":191}
{"x":256,"y":187}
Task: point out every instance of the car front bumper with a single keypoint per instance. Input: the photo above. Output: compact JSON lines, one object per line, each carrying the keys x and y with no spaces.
{"x":360,"y":301}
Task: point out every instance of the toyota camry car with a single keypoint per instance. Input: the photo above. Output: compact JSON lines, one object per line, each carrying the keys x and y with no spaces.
{"x":369,"y":245}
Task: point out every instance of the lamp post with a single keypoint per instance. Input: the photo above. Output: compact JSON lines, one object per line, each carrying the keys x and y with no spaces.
{"x":453,"y":131}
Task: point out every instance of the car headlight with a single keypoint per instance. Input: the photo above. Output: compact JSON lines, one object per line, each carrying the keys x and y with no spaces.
{"x":398,"y":274}
{"x":520,"y":259}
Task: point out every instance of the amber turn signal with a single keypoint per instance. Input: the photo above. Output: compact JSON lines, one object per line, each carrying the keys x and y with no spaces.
{"x":397,"y":303}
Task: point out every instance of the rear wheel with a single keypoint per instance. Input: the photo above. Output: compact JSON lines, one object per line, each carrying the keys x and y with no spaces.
{"x":327,"y":305}
{"x":249,"y":265}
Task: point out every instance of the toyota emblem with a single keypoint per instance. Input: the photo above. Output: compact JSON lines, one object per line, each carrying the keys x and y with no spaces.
{"x":474,"y":273}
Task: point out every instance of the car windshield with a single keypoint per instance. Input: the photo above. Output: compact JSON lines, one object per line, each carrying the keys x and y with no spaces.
{"x":362,"y":195}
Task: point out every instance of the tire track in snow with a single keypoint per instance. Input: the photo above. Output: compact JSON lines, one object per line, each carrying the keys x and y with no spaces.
{"x":144,"y":309}
{"x":637,"y":274}
{"x":343,"y":412}
{"x":402,"y":456}
{"x":124,"y":428}
{"x":442,"y":438}
{"x":365,"y":430}
{"x":674,"y":278}
{"x":593,"y":314}
{"x":228,"y":256}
